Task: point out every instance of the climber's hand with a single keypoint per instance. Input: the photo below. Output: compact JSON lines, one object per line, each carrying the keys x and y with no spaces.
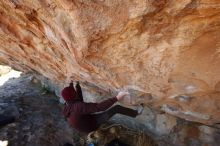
{"x":74,"y":82}
{"x":121,"y":95}
{"x":71,"y":84}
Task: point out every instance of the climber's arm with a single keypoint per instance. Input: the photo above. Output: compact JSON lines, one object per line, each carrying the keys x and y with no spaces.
{"x":79,"y":91}
{"x":88,"y":108}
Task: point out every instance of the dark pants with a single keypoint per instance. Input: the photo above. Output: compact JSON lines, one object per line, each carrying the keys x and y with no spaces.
{"x":4,"y":120}
{"x":103,"y":117}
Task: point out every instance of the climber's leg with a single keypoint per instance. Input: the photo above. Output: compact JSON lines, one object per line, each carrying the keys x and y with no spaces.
{"x":4,"y":120}
{"x":103,"y":117}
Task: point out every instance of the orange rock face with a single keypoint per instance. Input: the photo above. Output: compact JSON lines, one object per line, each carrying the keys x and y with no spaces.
{"x":167,"y":48}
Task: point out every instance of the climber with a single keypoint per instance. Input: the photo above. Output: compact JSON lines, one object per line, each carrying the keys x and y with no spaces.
{"x":84,"y":117}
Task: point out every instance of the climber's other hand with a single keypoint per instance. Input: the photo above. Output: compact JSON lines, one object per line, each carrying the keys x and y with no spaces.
{"x":121,"y":95}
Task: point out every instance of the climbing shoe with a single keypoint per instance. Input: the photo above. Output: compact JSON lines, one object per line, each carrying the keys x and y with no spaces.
{"x":140,"y":108}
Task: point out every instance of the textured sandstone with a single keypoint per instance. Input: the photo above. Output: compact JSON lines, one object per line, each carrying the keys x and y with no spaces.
{"x":165,"y":50}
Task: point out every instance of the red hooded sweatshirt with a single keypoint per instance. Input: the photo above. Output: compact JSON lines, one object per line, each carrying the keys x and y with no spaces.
{"x":78,"y":113}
